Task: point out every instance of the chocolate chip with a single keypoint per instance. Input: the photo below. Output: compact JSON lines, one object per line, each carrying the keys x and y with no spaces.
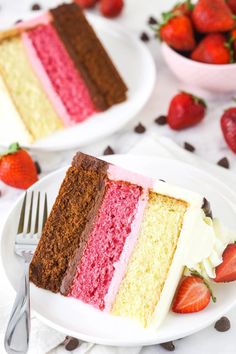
{"x":108,"y":151}
{"x":18,"y":21}
{"x":206,"y":207}
{"x":71,"y":343}
{"x":168,"y":346}
{"x":152,"y":21}
{"x":0,"y":193}
{"x":162,"y":180}
{"x":161,"y":120}
{"x":36,"y":7}
{"x":224,"y":162}
{"x":223,"y":324}
{"x":189,"y":147}
{"x":140,"y":129}
{"x":144,"y":37}
{"x":38,"y":168}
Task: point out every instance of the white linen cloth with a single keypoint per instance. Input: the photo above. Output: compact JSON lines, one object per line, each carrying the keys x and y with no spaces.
{"x":46,"y":340}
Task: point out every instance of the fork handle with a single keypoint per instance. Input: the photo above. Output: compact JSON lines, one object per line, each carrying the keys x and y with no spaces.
{"x":18,"y":329}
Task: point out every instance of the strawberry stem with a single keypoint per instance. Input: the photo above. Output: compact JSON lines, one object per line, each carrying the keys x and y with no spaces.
{"x":13,"y":148}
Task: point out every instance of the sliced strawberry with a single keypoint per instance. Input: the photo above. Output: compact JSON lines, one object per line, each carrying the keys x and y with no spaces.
{"x":226,"y":271}
{"x":193,"y":295}
{"x":228,"y":126}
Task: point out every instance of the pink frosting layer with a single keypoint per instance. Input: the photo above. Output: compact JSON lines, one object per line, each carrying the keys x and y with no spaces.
{"x":58,"y":75}
{"x":106,"y":243}
{"x":45,"y":19}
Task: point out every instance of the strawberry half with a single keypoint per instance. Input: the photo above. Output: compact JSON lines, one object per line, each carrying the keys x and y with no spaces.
{"x":228,"y":126}
{"x":226,"y":271}
{"x":17,"y":168}
{"x":177,"y":32}
{"x":212,"y":16}
{"x":213,"y":49}
{"x":185,"y":110}
{"x":193,"y":295}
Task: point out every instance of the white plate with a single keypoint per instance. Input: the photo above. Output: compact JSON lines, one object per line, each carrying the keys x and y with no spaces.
{"x":137,"y":68}
{"x":74,"y":318}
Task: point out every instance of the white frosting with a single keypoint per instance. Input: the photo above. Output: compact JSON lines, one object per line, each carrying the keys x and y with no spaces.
{"x":11,"y":126}
{"x":200,"y":246}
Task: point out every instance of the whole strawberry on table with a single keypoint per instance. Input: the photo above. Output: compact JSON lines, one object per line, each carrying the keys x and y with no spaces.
{"x":108,"y":8}
{"x":204,"y":31}
{"x":17,"y":169}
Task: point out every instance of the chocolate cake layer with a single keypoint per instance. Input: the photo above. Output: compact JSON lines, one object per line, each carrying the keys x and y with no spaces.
{"x":103,"y":80}
{"x":68,"y":226}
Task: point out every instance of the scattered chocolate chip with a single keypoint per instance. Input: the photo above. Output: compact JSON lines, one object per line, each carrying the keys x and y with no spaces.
{"x":223,"y":324}
{"x":189,"y":147}
{"x":168,"y":346}
{"x":38,"y":168}
{"x":144,"y":37}
{"x":0,"y":193}
{"x":140,"y":129}
{"x":162,"y":180}
{"x":206,"y":207}
{"x":71,"y":343}
{"x":161,"y":120}
{"x":152,"y":21}
{"x":36,"y":7}
{"x":18,"y":21}
{"x":224,"y":162}
{"x":108,"y":151}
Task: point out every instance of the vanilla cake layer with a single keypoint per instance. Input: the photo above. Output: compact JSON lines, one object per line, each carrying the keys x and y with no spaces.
{"x":29,"y":98}
{"x":11,"y":126}
{"x":148,"y":267}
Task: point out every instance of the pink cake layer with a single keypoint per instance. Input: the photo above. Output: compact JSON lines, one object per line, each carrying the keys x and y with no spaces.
{"x":52,"y":63}
{"x":106,"y":242}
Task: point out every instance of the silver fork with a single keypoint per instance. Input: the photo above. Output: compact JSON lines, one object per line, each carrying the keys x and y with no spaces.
{"x":30,"y":226}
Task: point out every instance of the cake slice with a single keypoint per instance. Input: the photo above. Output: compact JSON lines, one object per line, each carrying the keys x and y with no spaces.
{"x":57,"y":72}
{"x":120,"y":241}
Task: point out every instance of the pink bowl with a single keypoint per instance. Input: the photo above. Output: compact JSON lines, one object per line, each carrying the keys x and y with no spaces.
{"x":215,"y":78}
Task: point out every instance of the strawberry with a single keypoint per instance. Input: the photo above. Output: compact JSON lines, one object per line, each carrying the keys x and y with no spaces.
{"x":193,"y":295}
{"x":226,"y":271}
{"x":183,"y":8}
{"x":212,"y":16}
{"x":111,"y":8}
{"x":177,"y":32}
{"x":232,"y":5}
{"x":86,"y":4}
{"x":185,"y":110}
{"x":17,"y":168}
{"x":213,"y":49}
{"x":228,"y":126}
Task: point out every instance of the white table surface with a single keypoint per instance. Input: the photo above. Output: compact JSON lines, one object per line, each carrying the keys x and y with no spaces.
{"x":206,"y":137}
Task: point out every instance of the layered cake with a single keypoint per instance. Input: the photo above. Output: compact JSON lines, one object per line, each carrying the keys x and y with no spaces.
{"x":120,"y":241}
{"x":54,"y":73}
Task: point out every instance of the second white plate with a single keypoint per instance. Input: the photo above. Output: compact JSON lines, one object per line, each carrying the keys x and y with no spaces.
{"x":137,"y":68}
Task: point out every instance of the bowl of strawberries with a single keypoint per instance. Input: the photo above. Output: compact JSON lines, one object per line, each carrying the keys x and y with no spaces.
{"x":199,"y":43}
